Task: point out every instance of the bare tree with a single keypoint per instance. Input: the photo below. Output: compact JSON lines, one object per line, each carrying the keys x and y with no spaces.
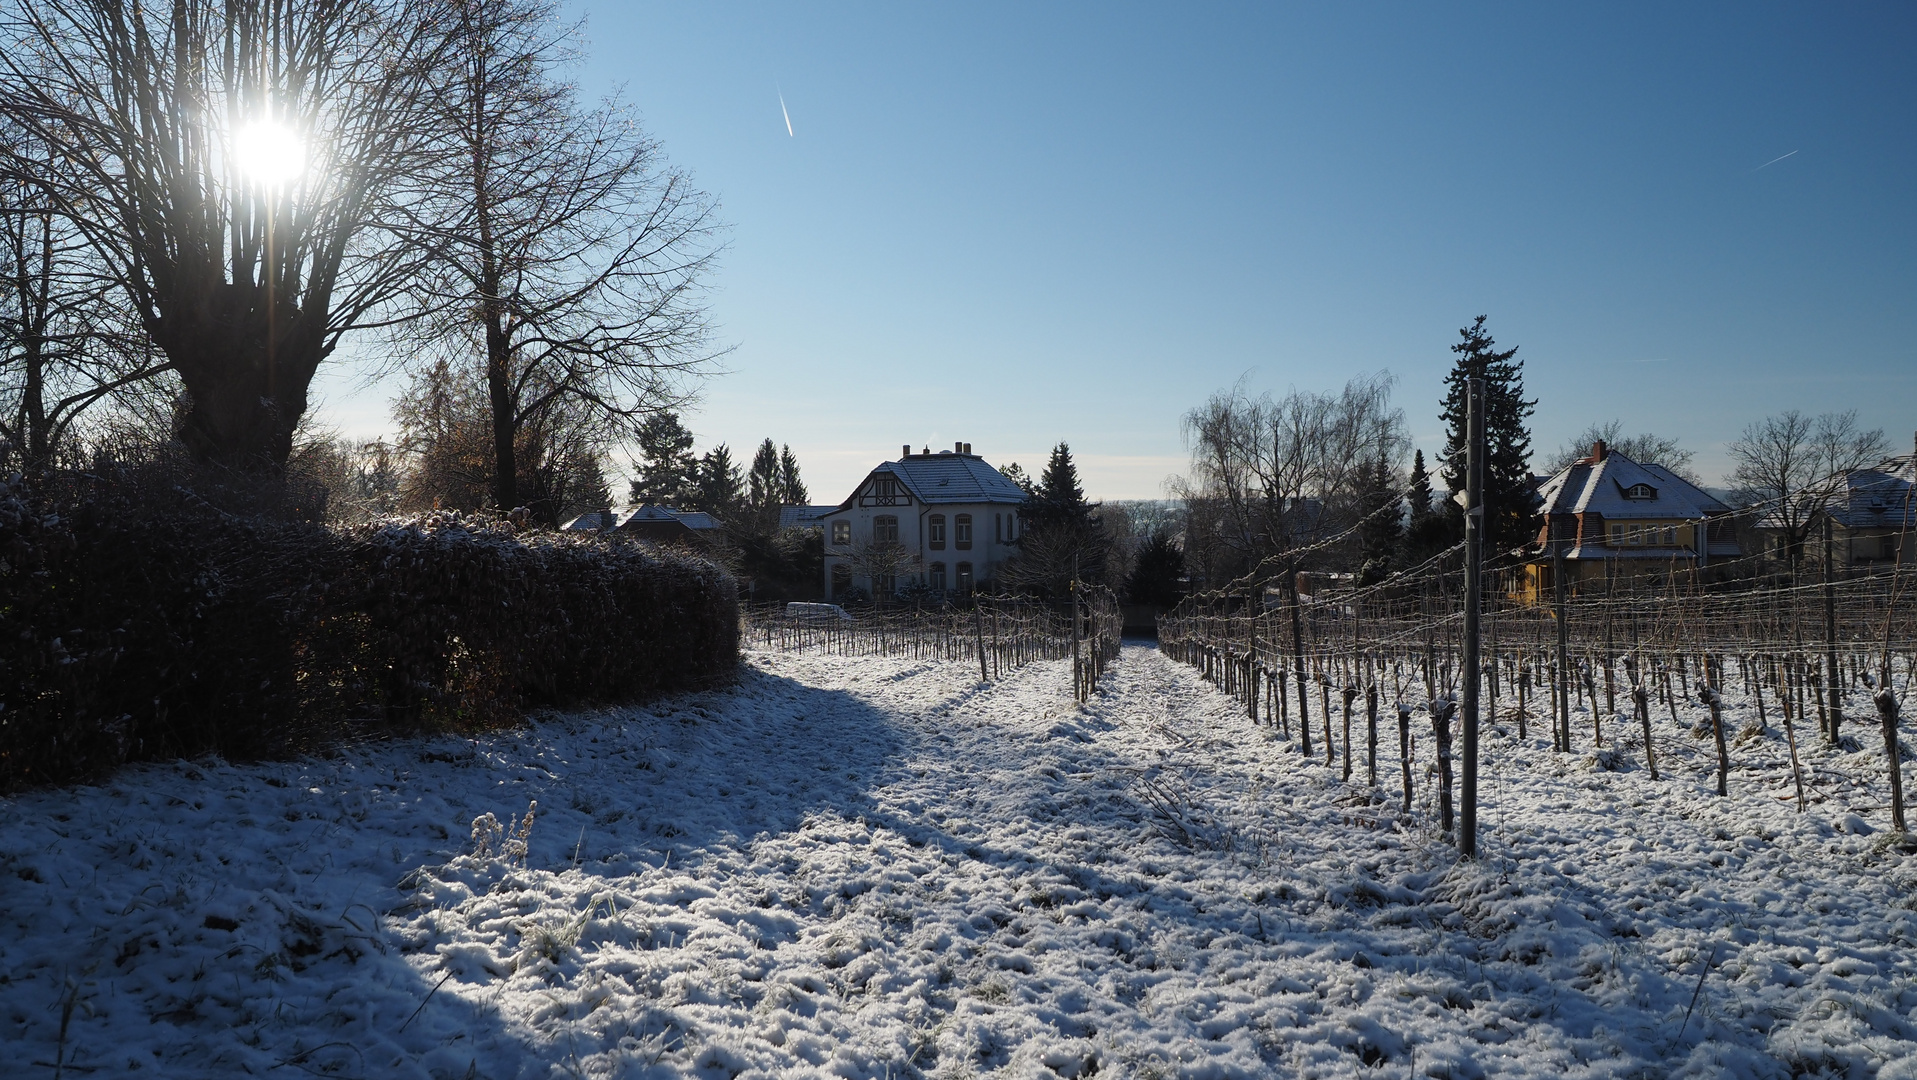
{"x":446,"y":444}
{"x":1644,"y":448}
{"x":562,"y":248}
{"x":228,"y":161}
{"x":883,"y":563}
{"x":65,"y":342}
{"x":1270,"y":474}
{"x":1794,"y":466}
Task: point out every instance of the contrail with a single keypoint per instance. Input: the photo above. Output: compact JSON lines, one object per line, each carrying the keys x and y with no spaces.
{"x":1772,"y":161}
{"x":788,"y":117}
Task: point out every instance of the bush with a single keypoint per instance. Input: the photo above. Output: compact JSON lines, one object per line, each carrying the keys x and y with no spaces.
{"x":144,"y":620}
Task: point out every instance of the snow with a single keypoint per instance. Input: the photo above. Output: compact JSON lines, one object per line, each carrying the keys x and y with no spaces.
{"x":880,"y":868}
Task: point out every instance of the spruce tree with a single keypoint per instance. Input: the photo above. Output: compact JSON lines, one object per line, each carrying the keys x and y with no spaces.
{"x":791,"y":488}
{"x":718,"y":486}
{"x":1428,"y":531}
{"x":1509,"y":516}
{"x":1381,"y":537}
{"x":666,"y":465}
{"x":762,"y":483}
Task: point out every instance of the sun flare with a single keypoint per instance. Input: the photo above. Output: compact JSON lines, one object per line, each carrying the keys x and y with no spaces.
{"x":268,"y":152}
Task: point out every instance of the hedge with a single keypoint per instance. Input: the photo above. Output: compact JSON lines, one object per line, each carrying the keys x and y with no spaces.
{"x":144,"y":621}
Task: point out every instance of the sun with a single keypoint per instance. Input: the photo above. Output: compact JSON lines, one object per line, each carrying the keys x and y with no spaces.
{"x":269,"y":153}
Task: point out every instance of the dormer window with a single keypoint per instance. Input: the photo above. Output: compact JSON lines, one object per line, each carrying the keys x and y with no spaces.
{"x":1640,"y":491}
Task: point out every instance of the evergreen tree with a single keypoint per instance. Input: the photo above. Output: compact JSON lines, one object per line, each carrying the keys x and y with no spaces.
{"x":1381,"y":536}
{"x":718,"y":485}
{"x":1062,"y":532}
{"x":1418,"y":494}
{"x":762,"y":482}
{"x":1157,"y":577}
{"x":1428,"y":531}
{"x":1509,"y":516}
{"x":666,"y":465}
{"x":1017,"y":476}
{"x":791,"y":488}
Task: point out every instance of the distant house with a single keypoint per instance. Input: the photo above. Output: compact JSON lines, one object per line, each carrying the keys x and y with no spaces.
{"x":1611,"y":518}
{"x":657,"y":523}
{"x":803,"y":517}
{"x":1873,"y":515}
{"x":946,"y":521}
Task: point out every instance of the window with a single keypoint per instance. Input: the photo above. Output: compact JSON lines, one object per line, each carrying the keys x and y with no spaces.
{"x":841,"y":533}
{"x":962,"y":531}
{"x":998,"y":528}
{"x":935,"y":577}
{"x":885,"y":529}
{"x":935,"y":531}
{"x":1670,"y":536}
{"x":1617,"y":534}
{"x":964,"y":582}
{"x":1640,"y":491}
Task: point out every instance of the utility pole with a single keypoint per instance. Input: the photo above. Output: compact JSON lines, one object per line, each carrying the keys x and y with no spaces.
{"x":1473,"y":598}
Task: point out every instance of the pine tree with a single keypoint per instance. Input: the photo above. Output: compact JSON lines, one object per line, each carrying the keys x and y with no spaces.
{"x":718,"y":485}
{"x":1418,"y":494}
{"x":666,"y":465}
{"x":1157,"y":576}
{"x":1509,"y":518}
{"x":1062,"y":533}
{"x":791,"y":489}
{"x":762,"y":482}
{"x":1381,"y":537}
{"x":1017,"y":475}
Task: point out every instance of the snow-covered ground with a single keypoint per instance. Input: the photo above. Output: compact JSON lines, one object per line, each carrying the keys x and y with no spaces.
{"x":882,"y":868}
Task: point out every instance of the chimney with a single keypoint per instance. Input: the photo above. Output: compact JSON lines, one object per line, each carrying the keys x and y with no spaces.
{"x":968,"y":448}
{"x":1597,"y":451}
{"x":905,"y":451}
{"x":958,"y":448}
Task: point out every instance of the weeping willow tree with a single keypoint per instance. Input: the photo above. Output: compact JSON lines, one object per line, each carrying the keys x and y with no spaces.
{"x":229,"y":163}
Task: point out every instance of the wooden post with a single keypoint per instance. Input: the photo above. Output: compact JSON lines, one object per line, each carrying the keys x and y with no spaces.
{"x":1404,"y":750}
{"x":1298,"y":658}
{"x":1351,"y":694}
{"x":1642,"y":698}
{"x":1712,"y":699}
{"x":1835,"y":692}
{"x":1886,"y":701}
{"x":1371,"y":733}
{"x":978,"y":630}
{"x":1562,"y":676}
{"x":1441,"y":728}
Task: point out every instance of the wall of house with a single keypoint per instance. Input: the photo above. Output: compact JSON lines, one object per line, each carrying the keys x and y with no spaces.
{"x":994,"y":527}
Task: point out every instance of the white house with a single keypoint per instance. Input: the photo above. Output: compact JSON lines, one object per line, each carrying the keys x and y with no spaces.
{"x":946,"y":520}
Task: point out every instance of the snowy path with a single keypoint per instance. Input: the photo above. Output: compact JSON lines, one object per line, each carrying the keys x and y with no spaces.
{"x":876,"y":868}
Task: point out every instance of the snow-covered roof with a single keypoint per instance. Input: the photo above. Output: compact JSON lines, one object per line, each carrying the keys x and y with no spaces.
{"x":592,"y":521}
{"x":1880,"y":496}
{"x":1613,"y":485}
{"x":798,"y":517}
{"x":946,"y":477}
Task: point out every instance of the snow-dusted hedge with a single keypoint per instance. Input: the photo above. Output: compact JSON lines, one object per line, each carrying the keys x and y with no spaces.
{"x":140,"y":625}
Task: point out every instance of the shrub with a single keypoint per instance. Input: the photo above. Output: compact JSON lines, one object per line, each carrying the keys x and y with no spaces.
{"x":144,"y":620}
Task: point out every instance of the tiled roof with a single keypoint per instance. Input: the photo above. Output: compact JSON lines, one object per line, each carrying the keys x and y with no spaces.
{"x":1598,"y":487}
{"x":798,"y":517}
{"x":946,"y":477}
{"x":1879,"y":497}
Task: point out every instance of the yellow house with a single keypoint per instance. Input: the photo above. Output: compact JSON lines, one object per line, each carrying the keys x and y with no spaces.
{"x":1611,"y":519}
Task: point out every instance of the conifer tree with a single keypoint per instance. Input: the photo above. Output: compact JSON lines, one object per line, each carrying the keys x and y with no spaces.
{"x":1381,"y":536}
{"x":666,"y":465}
{"x":762,"y":483}
{"x":1509,"y":516}
{"x":718,"y":485}
{"x":791,"y":488}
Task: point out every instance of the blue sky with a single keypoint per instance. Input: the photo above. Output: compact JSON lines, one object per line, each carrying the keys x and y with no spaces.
{"x":1016,"y":224}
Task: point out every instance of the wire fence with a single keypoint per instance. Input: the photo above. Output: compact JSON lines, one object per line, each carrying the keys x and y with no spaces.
{"x":1817,"y":657}
{"x":999,"y":634}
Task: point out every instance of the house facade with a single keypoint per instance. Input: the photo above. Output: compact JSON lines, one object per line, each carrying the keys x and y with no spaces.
{"x":1873,"y":515}
{"x":1611,"y":519}
{"x":943,"y":521}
